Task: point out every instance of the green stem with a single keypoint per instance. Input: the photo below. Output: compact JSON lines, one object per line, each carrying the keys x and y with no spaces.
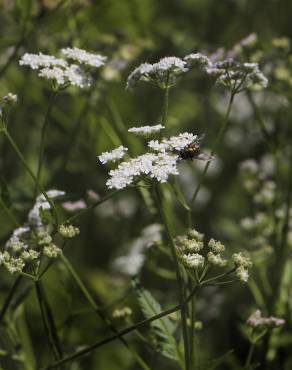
{"x":48,"y":322}
{"x":249,"y":355}
{"x":43,"y":135}
{"x":218,"y":140}
{"x":122,"y":332}
{"x":178,"y":276}
{"x":97,"y":309}
{"x":9,"y":297}
{"x":164,"y":115}
{"x":93,"y":205}
{"x":32,"y":175}
{"x":192,"y":333}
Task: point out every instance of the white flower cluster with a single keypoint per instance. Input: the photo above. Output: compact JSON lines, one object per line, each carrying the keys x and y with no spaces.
{"x":177,"y":143}
{"x":187,"y":247}
{"x":113,"y":155}
{"x":146,"y":130}
{"x":155,"y":166}
{"x":256,"y":320}
{"x":237,"y":76}
{"x":83,"y":57}
{"x":28,"y":242}
{"x":190,"y":250}
{"x":158,"y":166}
{"x":59,"y":71}
{"x":242,"y":264}
{"x":164,"y":73}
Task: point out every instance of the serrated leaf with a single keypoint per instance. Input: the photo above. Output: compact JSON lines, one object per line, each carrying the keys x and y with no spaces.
{"x":163,"y":328}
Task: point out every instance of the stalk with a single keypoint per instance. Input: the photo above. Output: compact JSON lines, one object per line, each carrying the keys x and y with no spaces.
{"x":249,"y":355}
{"x":165,"y":106}
{"x":219,"y":138}
{"x":28,"y":169}
{"x":43,"y":134}
{"x":178,"y":277}
{"x":48,"y":322}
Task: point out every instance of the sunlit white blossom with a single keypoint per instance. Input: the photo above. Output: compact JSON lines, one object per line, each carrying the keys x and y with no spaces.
{"x":83,"y":57}
{"x":37,"y":61}
{"x":146,"y":130}
{"x":113,"y":155}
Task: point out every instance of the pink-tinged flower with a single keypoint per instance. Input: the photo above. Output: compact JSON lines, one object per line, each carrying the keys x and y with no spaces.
{"x":74,"y":206}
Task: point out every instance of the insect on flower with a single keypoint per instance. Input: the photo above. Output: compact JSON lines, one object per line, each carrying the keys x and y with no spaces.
{"x":193,"y":151}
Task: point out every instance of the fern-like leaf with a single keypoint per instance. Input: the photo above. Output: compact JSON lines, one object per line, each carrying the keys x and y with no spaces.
{"x":163,"y":327}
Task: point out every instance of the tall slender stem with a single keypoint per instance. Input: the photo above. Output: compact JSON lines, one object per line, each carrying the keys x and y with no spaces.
{"x":249,"y":355}
{"x":32,"y":175}
{"x":96,"y":308}
{"x":43,"y":135}
{"x":10,"y":297}
{"x":218,"y":140}
{"x":48,"y":322}
{"x":164,"y":115}
{"x":178,"y":276}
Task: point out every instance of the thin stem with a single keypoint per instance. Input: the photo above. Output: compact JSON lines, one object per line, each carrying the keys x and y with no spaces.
{"x":218,"y":140}
{"x":48,"y":322}
{"x":178,"y":276}
{"x":97,"y":309}
{"x":192,"y":333}
{"x":9,"y":297}
{"x":43,"y":134}
{"x":93,"y":205}
{"x":32,"y":175}
{"x":249,"y":355}
{"x":164,"y":115}
{"x":122,"y":332}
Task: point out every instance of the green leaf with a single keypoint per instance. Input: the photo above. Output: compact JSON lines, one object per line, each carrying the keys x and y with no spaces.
{"x":163,"y":328}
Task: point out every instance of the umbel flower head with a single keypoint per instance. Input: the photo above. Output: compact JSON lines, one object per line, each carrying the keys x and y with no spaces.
{"x":195,"y":257}
{"x":168,"y":71}
{"x":157,"y":165}
{"x":28,"y":242}
{"x":237,"y":76}
{"x":59,"y":71}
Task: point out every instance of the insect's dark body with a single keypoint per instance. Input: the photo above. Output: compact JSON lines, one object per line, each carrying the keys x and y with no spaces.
{"x":190,"y":152}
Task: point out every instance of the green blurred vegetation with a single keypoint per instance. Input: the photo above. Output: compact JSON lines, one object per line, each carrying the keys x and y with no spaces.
{"x":85,"y":123}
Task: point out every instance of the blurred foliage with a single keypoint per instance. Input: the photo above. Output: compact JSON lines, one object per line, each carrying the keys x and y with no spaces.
{"x":85,"y":123}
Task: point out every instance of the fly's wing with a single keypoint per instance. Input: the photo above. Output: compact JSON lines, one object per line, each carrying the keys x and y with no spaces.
{"x":205,"y":157}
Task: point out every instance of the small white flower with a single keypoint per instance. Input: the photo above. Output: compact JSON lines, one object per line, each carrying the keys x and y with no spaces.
{"x":146,"y":130}
{"x":83,"y":57}
{"x":193,"y":260}
{"x":113,"y":155}
{"x":77,"y":77}
{"x":164,"y":73}
{"x":242,"y":274}
{"x":55,"y":73}
{"x":37,"y":61}
{"x":178,"y":142}
{"x":10,"y":98}
{"x":216,"y":246}
{"x":216,"y":259}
